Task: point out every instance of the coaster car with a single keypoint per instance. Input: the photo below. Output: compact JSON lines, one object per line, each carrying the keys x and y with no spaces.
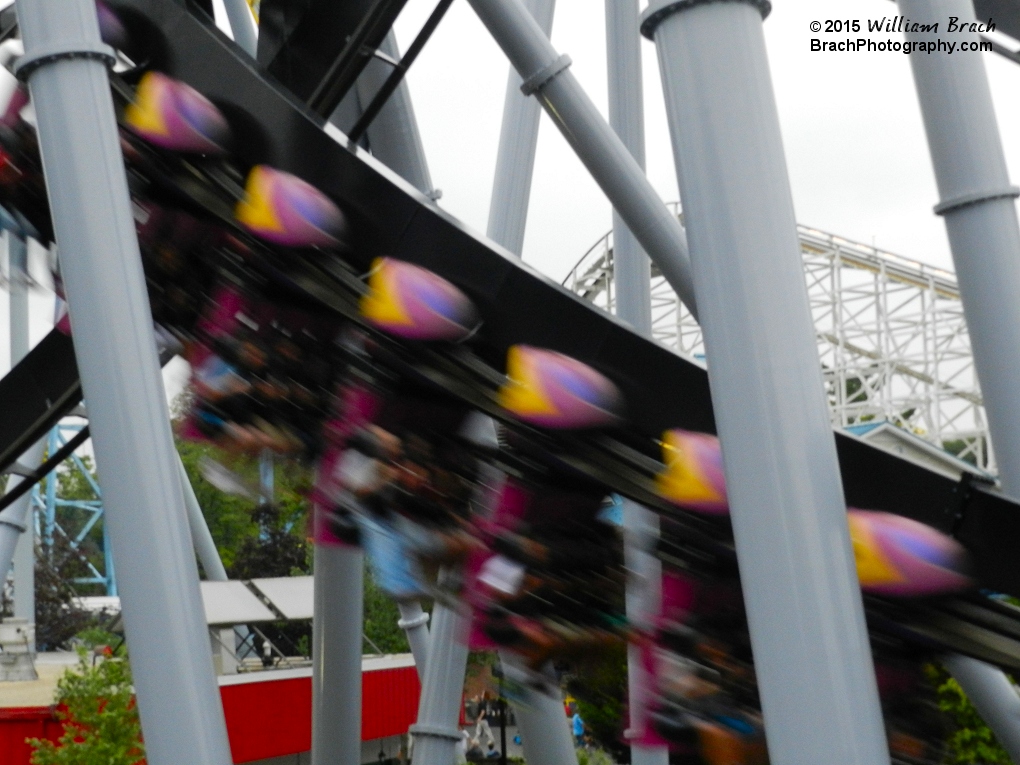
{"x":175,"y":116}
{"x":900,"y":557}
{"x":895,"y":556}
{"x":554,"y":391}
{"x":281,"y":208}
{"x":693,"y":477}
{"x":413,"y":303}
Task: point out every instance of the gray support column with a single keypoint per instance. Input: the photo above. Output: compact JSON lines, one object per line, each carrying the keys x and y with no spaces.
{"x":336,"y":630}
{"x":515,"y":160}
{"x":980,"y":216}
{"x":546,"y":75}
{"x":644,"y":598}
{"x":336,"y":655}
{"x":226,"y":643}
{"x":201,"y":537}
{"x":16,"y":526}
{"x":545,"y":730}
{"x":178,"y":699}
{"x":24,"y":553}
{"x":544,"y":742}
{"x":267,"y":477}
{"x":545,"y":735}
{"x":415,"y":624}
{"x":632,"y":273}
{"x":632,"y":280}
{"x":541,"y":720}
{"x":992,"y":693}
{"x":804,"y":609}
{"x":393,"y":136}
{"x":242,"y":25}
{"x":436,"y":733}
{"x":976,"y":201}
{"x":396,"y":142}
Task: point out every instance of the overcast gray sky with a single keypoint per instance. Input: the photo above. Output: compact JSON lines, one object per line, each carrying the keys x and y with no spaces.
{"x":854,"y":141}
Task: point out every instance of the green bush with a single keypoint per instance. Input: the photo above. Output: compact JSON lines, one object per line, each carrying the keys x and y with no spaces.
{"x":593,"y":757}
{"x":94,"y":637}
{"x":971,"y":740}
{"x":600,"y":687}
{"x":97,"y":708}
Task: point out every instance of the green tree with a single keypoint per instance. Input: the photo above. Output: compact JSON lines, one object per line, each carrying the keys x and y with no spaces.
{"x":593,"y":757}
{"x":971,"y":741}
{"x":600,"y":687}
{"x":100,"y":721}
{"x":380,"y":619}
{"x":240,"y":526}
{"x":229,"y":517}
{"x":58,"y":618}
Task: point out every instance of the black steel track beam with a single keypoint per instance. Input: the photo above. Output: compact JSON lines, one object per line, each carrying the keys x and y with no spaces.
{"x":35,"y":394}
{"x":519,"y":305}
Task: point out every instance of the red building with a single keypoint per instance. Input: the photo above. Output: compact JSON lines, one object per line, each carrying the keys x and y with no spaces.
{"x":268,"y":714}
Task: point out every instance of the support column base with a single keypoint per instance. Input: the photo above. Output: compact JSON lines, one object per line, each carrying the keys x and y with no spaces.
{"x":435,"y":731}
{"x":17,"y":667}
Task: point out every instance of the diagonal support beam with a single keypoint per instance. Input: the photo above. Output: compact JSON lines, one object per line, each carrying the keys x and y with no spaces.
{"x":547,"y":75}
{"x":65,"y":65}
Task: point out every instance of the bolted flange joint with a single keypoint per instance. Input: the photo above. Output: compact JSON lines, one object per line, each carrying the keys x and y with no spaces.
{"x":436,"y":731}
{"x":417,"y":621}
{"x":544,"y":76}
{"x":658,"y":10}
{"x":21,"y":528}
{"x":60,"y":52}
{"x":975,"y":197}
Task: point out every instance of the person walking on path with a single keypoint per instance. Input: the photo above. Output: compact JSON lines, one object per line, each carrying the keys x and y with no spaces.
{"x":482,"y":723}
{"x":578,"y":728}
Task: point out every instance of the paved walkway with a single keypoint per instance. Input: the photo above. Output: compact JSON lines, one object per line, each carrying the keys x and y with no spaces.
{"x":38,"y":693}
{"x":512,"y":749}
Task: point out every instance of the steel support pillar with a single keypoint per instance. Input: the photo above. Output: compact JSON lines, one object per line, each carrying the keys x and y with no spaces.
{"x":395,"y":140}
{"x":436,"y":733}
{"x":545,"y":735}
{"x":632,"y":280}
{"x":992,"y":693}
{"x":17,"y":540}
{"x":65,"y":65}
{"x":546,"y":75}
{"x":976,"y":202}
{"x":543,"y":741}
{"x":201,"y":537}
{"x":267,"y":477}
{"x":393,"y":135}
{"x":24,"y":553}
{"x":415,"y":624}
{"x":644,"y":598}
{"x":515,"y":160}
{"x":803,"y":601}
{"x":242,"y":26}
{"x":336,"y":655}
{"x":209,"y":557}
{"x":980,"y":215}
{"x":541,"y":720}
{"x":632,"y":274}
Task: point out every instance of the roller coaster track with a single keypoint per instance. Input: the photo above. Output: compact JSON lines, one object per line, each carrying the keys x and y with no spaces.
{"x":664,"y":389}
{"x":891,"y":335}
